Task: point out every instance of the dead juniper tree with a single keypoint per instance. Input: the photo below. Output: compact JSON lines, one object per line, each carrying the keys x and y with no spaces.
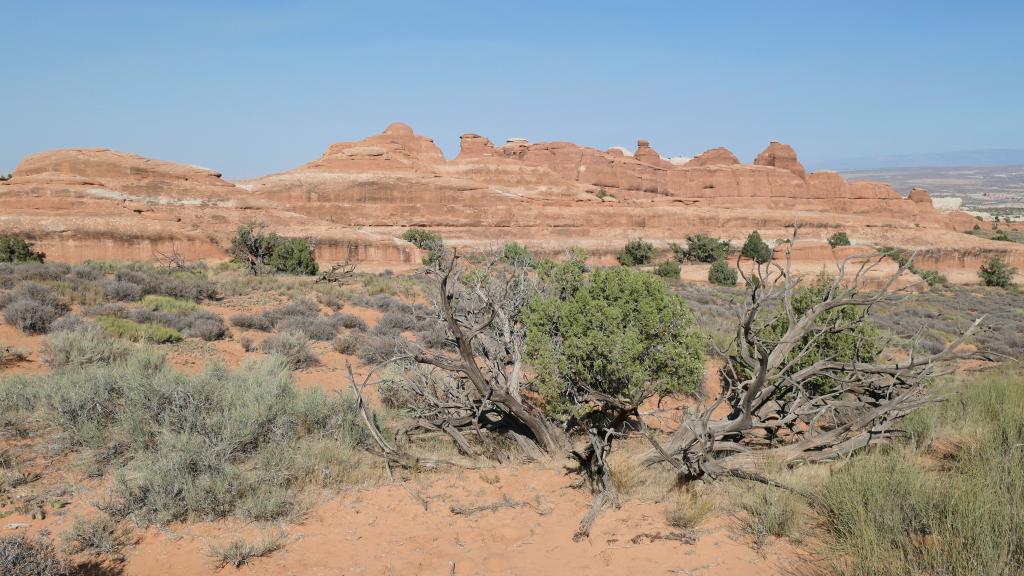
{"x":340,"y":273}
{"x":805,"y":379}
{"x":472,"y":389}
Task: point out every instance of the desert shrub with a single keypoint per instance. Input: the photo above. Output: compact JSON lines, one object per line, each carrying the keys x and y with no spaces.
{"x":426,"y":240}
{"x":702,"y":248}
{"x":262,"y":252}
{"x":182,"y":284}
{"x":67,"y":322}
{"x":619,"y":331}
{"x":722,"y":274}
{"x":348,"y":343}
{"x":169,"y":304}
{"x":392,"y":322}
{"x":293,"y":347}
{"x":1001,"y":236}
{"x":23,"y":556}
{"x":322,"y":328}
{"x":253,"y":322}
{"x":205,"y":325}
{"x":668,"y":269}
{"x":82,"y":346}
{"x":839,"y":239}
{"x":375,"y":349}
{"x":122,"y":291}
{"x":86,"y":272}
{"x":996,"y":272}
{"x":195,"y":446}
{"x":101,"y":535}
{"x":16,"y":249}
{"x":31,"y":316}
{"x":636,"y":252}
{"x":247,"y":344}
{"x":756,"y":249}
{"x":294,"y":256}
{"x":435,"y":337}
{"x":350,"y":321}
{"x":138,"y":332}
{"x":516,"y":254}
{"x":932,"y":277}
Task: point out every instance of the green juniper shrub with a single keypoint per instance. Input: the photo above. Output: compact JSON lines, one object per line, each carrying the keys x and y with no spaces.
{"x":702,"y":248}
{"x":668,"y":269}
{"x":756,"y":249}
{"x":617,"y":331}
{"x":722,"y":274}
{"x":932,"y":277}
{"x":637,"y":252}
{"x":996,"y":272}
{"x":263,"y":252}
{"x":294,"y":256}
{"x":16,"y":249}
{"x":839,"y":239}
{"x":516,"y":254}
{"x":426,"y":240}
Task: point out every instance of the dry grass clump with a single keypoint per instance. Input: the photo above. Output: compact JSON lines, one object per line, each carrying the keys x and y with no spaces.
{"x":892,"y":512}
{"x":238,"y":552}
{"x":689,"y":509}
{"x":99,"y":536}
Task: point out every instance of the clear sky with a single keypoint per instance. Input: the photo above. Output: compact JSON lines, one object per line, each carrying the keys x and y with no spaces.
{"x":252,"y":87}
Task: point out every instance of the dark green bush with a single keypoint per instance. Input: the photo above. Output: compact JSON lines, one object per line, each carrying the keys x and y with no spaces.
{"x":756,"y":249}
{"x":516,"y":254}
{"x":294,"y":256}
{"x":702,"y":248}
{"x":426,"y":240}
{"x":722,"y":274}
{"x":668,"y":269}
{"x":839,"y":239}
{"x":996,"y":272}
{"x":261,"y":252}
{"x":620,"y":332}
{"x":637,"y":252}
{"x":16,"y":249}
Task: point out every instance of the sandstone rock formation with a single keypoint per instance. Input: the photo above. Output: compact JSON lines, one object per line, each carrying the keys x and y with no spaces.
{"x":358,"y":197}
{"x":782,"y":156}
{"x":714,"y":157}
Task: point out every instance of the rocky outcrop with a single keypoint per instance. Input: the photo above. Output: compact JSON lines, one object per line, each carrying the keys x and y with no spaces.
{"x":397,"y":149}
{"x":921,"y":196}
{"x":778,"y":155}
{"x":714,"y":157}
{"x":121,"y":172}
{"x":358,"y":198}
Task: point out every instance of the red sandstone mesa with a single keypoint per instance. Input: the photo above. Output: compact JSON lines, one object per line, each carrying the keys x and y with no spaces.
{"x":357,"y":198}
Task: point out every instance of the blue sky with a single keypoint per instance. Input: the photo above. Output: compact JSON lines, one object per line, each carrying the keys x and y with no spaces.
{"x":256,"y":87}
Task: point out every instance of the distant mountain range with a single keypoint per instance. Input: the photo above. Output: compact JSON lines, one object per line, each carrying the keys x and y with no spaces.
{"x":983,"y":157}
